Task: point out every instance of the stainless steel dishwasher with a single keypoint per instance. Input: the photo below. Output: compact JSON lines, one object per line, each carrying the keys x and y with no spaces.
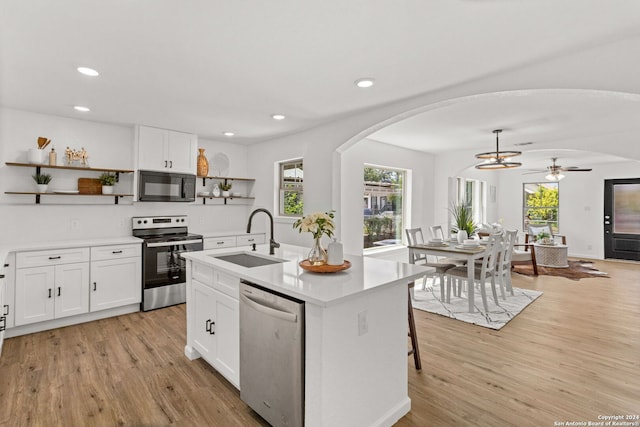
{"x":272,"y":355}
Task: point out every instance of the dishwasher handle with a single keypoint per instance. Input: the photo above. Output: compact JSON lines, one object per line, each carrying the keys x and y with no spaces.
{"x":284,"y":315}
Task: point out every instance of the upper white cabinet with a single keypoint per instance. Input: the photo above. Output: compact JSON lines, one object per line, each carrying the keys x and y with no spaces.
{"x":166,"y":150}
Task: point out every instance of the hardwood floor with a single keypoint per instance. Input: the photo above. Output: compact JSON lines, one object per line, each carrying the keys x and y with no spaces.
{"x":572,"y":355}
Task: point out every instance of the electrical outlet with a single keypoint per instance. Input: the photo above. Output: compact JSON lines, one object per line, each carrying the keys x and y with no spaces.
{"x":363,"y":326}
{"x":75,"y":224}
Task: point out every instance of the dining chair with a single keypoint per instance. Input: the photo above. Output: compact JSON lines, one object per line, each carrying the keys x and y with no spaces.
{"x":504,"y":261}
{"x":481,"y":274}
{"x":437,"y":233}
{"x":415,"y":237}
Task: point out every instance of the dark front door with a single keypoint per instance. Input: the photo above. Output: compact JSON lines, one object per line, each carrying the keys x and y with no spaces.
{"x":622,"y":218}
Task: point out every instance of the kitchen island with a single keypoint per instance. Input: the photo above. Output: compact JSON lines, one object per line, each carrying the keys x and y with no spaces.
{"x":355,"y":329}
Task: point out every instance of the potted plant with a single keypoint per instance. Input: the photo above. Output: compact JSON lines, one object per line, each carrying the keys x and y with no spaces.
{"x":543,"y":237}
{"x":108,"y":181}
{"x":463,"y":224}
{"x":225,"y":187}
{"x":42,"y":181}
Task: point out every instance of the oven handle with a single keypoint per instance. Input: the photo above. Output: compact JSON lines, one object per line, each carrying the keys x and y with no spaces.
{"x":173,"y":243}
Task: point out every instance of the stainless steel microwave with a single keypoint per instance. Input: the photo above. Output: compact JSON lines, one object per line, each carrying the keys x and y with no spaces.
{"x":166,"y":187}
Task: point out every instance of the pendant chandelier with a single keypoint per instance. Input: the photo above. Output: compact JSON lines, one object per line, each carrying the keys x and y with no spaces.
{"x":498,"y":159}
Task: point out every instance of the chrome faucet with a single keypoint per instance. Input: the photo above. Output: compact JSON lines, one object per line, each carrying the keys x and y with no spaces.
{"x":272,"y":243}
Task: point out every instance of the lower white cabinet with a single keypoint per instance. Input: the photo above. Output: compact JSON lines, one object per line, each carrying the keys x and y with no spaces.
{"x":115,"y":282}
{"x":51,"y":292}
{"x":215,"y":327}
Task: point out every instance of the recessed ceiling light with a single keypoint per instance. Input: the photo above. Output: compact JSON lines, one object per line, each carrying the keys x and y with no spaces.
{"x":81,"y":108}
{"x":364,"y":82}
{"x":88,"y":71}
{"x":278,"y":116}
{"x":227,"y":133}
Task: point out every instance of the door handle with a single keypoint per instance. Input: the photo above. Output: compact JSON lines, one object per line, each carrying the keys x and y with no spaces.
{"x":166,"y":163}
{"x":116,"y":252}
{"x":6,"y":309}
{"x":58,"y":290}
{"x":170,"y":164}
{"x":211,"y":331}
{"x":49,"y":292}
{"x":95,"y":286}
{"x":55,"y":257}
{"x":207,"y":325}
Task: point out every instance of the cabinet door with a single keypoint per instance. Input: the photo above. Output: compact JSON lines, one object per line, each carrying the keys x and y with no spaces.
{"x":182,"y":152}
{"x":71,"y":289}
{"x":203,"y":319}
{"x":227,"y":333}
{"x":115,"y":282}
{"x":34,"y":294}
{"x":152,"y":149}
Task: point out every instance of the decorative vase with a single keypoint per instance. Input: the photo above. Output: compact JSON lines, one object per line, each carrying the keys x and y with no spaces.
{"x":317,"y":254}
{"x":203,"y":163}
{"x":42,"y":188}
{"x":107,"y":189}
{"x":462,"y":236}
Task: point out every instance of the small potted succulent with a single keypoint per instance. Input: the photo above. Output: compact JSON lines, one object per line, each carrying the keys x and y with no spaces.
{"x":108,"y":181}
{"x":42,"y":181}
{"x":225,"y":187}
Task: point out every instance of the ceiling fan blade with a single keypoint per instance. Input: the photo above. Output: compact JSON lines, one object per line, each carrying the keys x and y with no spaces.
{"x":575,"y":169}
{"x":532,"y":172}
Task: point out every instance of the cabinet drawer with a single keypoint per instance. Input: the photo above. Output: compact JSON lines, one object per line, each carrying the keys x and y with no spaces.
{"x":227,"y":284}
{"x":250,"y":239}
{"x":51,"y":257}
{"x":219,"y":242}
{"x":201,"y":273}
{"x":99,"y":253}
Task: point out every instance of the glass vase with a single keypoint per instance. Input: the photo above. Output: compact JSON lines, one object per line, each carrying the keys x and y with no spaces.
{"x":317,"y":254}
{"x":203,"y":163}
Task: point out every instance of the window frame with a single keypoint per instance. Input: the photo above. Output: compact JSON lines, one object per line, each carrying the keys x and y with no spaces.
{"x":555,"y":225}
{"x":296,"y":187}
{"x":404,"y":177}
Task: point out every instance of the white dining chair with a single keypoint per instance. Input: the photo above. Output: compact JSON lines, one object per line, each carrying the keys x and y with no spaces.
{"x":415,"y":237}
{"x":504,"y":261}
{"x":487,"y":271}
{"x":436,"y":232}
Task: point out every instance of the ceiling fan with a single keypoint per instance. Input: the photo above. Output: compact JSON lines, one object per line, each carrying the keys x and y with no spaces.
{"x":554,"y":172}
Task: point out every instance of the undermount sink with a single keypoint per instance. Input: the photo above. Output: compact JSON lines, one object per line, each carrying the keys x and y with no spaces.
{"x":247,"y":260}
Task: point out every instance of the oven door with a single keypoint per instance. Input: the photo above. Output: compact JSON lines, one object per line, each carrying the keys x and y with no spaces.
{"x":163,"y":264}
{"x":166,"y":187}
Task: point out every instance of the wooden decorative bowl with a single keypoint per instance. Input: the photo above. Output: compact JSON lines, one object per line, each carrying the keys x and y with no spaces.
{"x":325,"y":268}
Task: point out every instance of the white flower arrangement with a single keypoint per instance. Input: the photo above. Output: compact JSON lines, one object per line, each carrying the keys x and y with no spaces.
{"x":317,"y":223}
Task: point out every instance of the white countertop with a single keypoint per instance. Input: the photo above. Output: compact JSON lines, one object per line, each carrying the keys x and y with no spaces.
{"x":322,"y":289}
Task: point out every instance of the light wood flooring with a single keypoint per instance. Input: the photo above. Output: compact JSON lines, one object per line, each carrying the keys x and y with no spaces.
{"x":572,"y":355}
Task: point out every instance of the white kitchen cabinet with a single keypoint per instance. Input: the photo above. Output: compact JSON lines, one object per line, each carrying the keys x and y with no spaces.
{"x":214,"y":323}
{"x":166,"y":150}
{"x":239,"y":240}
{"x":51,"y":292}
{"x":116,"y":276}
{"x":3,"y":313}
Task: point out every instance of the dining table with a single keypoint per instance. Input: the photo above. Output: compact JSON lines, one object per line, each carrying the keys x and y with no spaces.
{"x":452,"y":249}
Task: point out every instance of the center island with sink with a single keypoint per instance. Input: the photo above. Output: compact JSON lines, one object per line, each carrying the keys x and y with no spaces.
{"x":354,"y":331}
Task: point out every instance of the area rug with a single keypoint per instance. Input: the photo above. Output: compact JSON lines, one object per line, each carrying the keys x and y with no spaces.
{"x":577,"y":270}
{"x":458,"y":309}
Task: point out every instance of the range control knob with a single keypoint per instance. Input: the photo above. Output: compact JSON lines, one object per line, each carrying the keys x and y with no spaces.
{"x":139,"y":222}
{"x":145,"y":221}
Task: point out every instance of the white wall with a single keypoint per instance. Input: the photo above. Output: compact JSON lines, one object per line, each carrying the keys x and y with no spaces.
{"x":110,"y":146}
{"x":581,"y":213}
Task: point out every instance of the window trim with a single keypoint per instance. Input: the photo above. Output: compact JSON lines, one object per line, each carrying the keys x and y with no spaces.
{"x":298,"y":185}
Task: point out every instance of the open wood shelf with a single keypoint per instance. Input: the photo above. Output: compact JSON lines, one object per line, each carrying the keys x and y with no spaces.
{"x":204,"y":198}
{"x":31,"y":193}
{"x":78,"y":168}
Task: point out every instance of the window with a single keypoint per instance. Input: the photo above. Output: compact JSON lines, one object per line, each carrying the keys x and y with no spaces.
{"x":540,"y":204}
{"x":473,"y":194}
{"x":291,"y":186}
{"x":384,"y":203}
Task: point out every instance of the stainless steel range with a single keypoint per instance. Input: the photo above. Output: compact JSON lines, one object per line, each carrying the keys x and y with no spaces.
{"x":163,"y":269}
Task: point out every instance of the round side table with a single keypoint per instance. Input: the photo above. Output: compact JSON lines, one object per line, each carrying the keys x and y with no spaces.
{"x":551,"y":255}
